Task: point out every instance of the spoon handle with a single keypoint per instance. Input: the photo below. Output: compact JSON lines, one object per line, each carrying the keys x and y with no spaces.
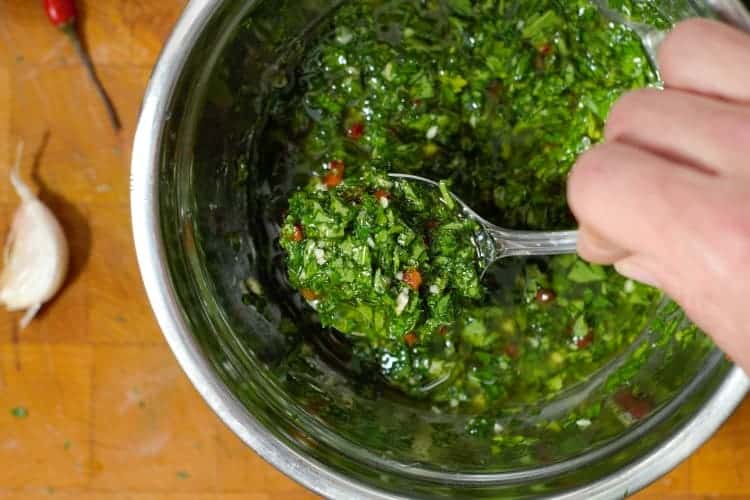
{"x":732,"y":12}
{"x":527,"y":243}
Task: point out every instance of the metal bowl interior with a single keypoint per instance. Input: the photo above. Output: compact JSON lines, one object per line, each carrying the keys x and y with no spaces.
{"x":195,"y":224}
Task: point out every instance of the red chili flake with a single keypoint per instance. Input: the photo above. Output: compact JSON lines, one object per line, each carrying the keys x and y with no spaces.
{"x":545,"y":49}
{"x":381,"y":193}
{"x":314,"y":407}
{"x":442,"y":330}
{"x":356,"y":131}
{"x":544,"y":453}
{"x":299,"y":233}
{"x":635,"y":406}
{"x":584,"y":342}
{"x":411,"y":339}
{"x":337,"y":166}
{"x":309,"y":294}
{"x":495,"y":88}
{"x":413,"y":278}
{"x":335,"y":174}
{"x":545,"y":295}
{"x":511,"y":350}
{"x":432,"y":224}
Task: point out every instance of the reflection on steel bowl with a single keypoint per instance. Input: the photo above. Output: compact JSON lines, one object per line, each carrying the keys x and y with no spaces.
{"x":216,"y":157}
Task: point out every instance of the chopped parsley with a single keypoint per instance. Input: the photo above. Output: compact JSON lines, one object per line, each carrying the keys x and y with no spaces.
{"x":498,"y":99}
{"x":387,"y":262}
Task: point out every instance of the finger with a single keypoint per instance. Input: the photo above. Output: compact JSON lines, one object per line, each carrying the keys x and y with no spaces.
{"x":637,"y":200}
{"x":688,"y":128}
{"x":597,"y":249}
{"x":707,"y":57}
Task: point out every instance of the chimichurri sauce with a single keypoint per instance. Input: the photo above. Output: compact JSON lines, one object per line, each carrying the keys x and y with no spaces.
{"x":389,"y":263}
{"x":497,"y":98}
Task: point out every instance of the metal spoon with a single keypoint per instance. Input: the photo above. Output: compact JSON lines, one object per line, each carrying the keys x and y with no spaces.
{"x":493,"y":242}
{"x":732,"y":12}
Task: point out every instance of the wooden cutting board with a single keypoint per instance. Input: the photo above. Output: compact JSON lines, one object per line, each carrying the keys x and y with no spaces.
{"x":92,"y":403}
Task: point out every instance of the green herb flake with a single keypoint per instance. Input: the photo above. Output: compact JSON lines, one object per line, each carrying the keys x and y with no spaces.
{"x":19,"y":412}
{"x":586,"y":273}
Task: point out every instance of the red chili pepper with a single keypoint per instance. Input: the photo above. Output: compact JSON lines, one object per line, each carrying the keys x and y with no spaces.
{"x":61,"y":12}
{"x":63,"y":15}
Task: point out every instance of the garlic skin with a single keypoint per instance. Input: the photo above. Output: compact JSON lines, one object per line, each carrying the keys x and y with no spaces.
{"x":36,"y":253}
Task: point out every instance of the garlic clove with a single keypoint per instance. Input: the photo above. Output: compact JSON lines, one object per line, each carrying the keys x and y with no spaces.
{"x":36,"y":254}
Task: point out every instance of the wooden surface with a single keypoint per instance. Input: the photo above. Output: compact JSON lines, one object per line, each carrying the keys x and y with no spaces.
{"x":110,"y":415}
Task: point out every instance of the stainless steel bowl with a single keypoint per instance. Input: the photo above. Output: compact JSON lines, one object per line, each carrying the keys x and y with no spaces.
{"x":180,"y":209}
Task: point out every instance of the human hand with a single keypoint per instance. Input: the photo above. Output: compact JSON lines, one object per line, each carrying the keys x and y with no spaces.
{"x":666,"y":197}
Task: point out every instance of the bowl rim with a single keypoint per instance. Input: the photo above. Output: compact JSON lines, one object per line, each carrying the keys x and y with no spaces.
{"x":163,"y":298}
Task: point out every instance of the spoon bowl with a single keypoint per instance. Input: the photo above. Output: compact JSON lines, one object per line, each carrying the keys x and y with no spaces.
{"x":494,"y":242}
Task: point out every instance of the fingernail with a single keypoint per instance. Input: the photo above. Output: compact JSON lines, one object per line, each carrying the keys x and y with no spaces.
{"x":634,"y":269}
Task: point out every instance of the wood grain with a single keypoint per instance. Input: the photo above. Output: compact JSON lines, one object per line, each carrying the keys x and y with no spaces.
{"x":109,"y":414}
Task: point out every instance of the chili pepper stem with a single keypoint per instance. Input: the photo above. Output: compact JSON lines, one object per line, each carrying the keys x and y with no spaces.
{"x":70,"y":30}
